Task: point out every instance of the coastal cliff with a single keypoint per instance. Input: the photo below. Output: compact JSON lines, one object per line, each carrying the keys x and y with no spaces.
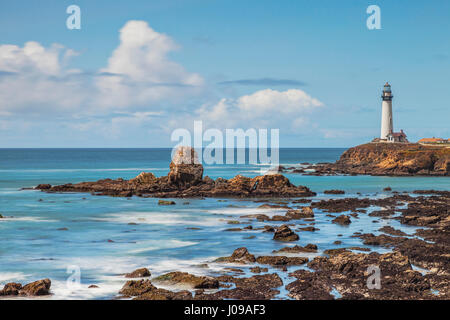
{"x":394,"y":159}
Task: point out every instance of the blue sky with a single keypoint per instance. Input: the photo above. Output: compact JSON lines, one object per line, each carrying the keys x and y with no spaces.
{"x":310,"y":68}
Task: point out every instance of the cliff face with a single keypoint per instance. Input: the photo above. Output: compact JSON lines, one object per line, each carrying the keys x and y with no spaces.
{"x":395,"y":159}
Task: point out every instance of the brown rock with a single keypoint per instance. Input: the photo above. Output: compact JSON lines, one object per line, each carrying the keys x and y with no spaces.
{"x":279,"y":261}
{"x":37,"y":288}
{"x":139,"y":273}
{"x":240,"y":255}
{"x":11,"y":289}
{"x":185,"y":169}
{"x":342,"y":220}
{"x":284,"y":233}
{"x":184,"y":278}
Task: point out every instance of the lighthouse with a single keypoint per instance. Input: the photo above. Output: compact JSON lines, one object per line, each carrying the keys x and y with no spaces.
{"x":387,"y":126}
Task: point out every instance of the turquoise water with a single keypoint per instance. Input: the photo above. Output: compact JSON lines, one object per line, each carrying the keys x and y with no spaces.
{"x":101,"y":243}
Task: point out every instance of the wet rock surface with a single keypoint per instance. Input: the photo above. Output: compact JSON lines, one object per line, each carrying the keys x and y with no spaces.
{"x":36,"y":288}
{"x":284,"y":233}
{"x":139,"y":273}
{"x":184,"y":278}
{"x":335,"y":273}
{"x":185,"y":180}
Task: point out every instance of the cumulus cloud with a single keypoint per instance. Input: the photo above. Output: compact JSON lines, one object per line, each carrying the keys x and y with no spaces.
{"x":139,"y":73}
{"x":34,"y":77}
{"x":265,"y":107}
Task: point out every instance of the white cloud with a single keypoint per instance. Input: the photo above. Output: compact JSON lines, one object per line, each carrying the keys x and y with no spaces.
{"x":140,"y":72}
{"x":32,"y":58}
{"x":286,"y":102}
{"x":266,"y":108}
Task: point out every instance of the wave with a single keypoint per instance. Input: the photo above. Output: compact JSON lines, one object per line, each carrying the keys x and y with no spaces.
{"x":6,"y":277}
{"x":161,"y":218}
{"x":152,"y":245}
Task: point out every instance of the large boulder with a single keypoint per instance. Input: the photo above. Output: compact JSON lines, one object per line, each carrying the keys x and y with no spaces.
{"x":144,"y":178}
{"x":11,"y":289}
{"x":37,"y":288}
{"x":187,"y":279}
{"x":284,"y":233}
{"x":185,"y":169}
{"x":139,"y":273}
{"x":240,"y":255}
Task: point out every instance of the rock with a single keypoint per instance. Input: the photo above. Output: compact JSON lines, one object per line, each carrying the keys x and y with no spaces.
{"x":240,"y":255}
{"x":11,"y":289}
{"x":348,"y":273}
{"x":184,"y":278}
{"x":185,"y":168}
{"x":279,"y":261}
{"x":284,"y":233}
{"x":144,"y":178}
{"x":387,"y":189}
{"x":312,"y":229}
{"x":37,"y":288}
{"x":304,"y":213}
{"x":93,"y":286}
{"x":139,"y":273}
{"x":166,"y":202}
{"x":136,"y":287}
{"x":258,"y":270}
{"x":392,"y":231}
{"x":269,"y":229}
{"x":145,"y":290}
{"x":334,"y":191}
{"x":257,"y":287}
{"x":342,"y":220}
{"x":297,"y":249}
{"x":43,"y":186}
{"x":398,"y":159}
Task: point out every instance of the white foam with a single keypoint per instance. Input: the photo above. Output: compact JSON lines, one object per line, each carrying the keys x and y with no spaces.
{"x":247,"y":211}
{"x":6,"y":277}
{"x":161,"y":244}
{"x":27,"y":218}
{"x":62,"y":291}
{"x":161,"y":218}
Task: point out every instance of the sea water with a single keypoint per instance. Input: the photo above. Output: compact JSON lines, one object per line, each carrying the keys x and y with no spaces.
{"x":97,"y":239}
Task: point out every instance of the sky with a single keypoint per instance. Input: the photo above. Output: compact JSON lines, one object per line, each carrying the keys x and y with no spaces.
{"x":138,"y":70}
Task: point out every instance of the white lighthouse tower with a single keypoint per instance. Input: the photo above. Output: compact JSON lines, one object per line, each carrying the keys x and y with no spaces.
{"x":387,"y":126}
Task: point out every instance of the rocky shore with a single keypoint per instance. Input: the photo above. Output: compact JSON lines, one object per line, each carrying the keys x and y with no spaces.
{"x":389,"y":159}
{"x":411,"y":266}
{"x":417,"y":266}
{"x":185,"y":180}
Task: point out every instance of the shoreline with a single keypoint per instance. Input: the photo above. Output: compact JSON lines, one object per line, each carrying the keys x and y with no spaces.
{"x":270,"y":270}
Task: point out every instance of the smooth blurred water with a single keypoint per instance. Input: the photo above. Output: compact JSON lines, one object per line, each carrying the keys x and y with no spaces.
{"x":107,"y":236}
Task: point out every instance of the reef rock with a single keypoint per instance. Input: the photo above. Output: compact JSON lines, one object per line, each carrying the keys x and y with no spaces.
{"x":284,"y":233}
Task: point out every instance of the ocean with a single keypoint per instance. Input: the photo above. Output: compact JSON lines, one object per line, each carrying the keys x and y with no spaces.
{"x":97,"y":239}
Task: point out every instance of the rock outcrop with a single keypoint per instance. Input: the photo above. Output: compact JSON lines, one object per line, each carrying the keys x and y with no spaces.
{"x":36,"y":288}
{"x":394,"y":159}
{"x":186,"y":180}
{"x":284,"y":233}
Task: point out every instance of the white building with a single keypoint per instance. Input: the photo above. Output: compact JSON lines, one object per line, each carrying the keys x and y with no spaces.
{"x":387,"y":123}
